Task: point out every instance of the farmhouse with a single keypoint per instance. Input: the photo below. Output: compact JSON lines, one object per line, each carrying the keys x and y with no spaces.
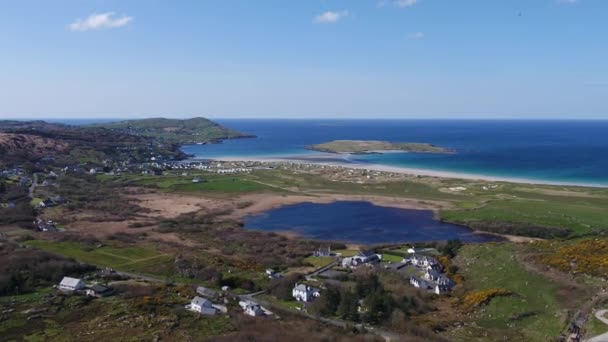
{"x":414,"y":250}
{"x":202,"y":306}
{"x":322,"y":252}
{"x":418,"y":283}
{"x":304,"y":293}
{"x":424,"y":261}
{"x":432,"y":275}
{"x":441,"y":289}
{"x":252,"y":309}
{"x":364,"y":257}
{"x":98,"y":291}
{"x":272,"y":274}
{"x":71,"y":284}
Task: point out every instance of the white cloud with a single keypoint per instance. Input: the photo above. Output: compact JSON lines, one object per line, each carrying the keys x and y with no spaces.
{"x":396,"y":3}
{"x":405,"y":3}
{"x":415,"y":35}
{"x":330,"y":17}
{"x":98,"y":21}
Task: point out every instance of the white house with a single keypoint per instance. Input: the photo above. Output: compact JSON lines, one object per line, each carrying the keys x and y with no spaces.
{"x":305,"y":293}
{"x":71,"y":284}
{"x":440,"y":289}
{"x":272,"y":274}
{"x":424,"y":261}
{"x":323,"y":252}
{"x":414,"y":250}
{"x":432,"y":275}
{"x":347,"y":262}
{"x":202,"y":306}
{"x":418,"y":283}
{"x":252,"y":309}
{"x":445,"y":281}
{"x":364,"y":257}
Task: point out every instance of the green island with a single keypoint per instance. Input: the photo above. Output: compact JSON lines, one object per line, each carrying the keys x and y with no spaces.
{"x":155,"y":230}
{"x":373,"y":146}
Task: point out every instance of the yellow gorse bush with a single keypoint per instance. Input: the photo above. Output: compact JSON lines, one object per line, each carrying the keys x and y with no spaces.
{"x":478,"y":298}
{"x":589,"y":256}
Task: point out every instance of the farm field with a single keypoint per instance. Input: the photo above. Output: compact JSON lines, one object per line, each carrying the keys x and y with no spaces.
{"x":529,"y":313}
{"x":128,"y":259}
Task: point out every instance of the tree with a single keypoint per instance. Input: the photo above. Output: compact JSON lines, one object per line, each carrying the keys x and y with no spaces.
{"x":451,"y":248}
{"x":348,"y":306}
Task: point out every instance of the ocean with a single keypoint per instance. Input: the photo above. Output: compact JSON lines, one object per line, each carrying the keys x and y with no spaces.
{"x":547,"y":151}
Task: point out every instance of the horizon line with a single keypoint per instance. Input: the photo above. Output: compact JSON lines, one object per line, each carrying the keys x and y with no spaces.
{"x":310,"y":118}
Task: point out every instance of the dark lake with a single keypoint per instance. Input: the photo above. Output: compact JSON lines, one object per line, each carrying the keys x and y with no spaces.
{"x":360,"y":222}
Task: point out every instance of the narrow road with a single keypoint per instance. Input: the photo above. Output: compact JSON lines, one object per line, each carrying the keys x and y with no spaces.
{"x":33,"y":186}
{"x":387,"y":335}
{"x":323,"y":269}
{"x":603,"y":337}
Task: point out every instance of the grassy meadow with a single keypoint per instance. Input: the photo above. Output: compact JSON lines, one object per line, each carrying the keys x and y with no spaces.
{"x":532,"y":312}
{"x":128,"y":259}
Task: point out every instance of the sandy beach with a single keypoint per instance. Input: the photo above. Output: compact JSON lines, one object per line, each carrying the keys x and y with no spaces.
{"x":334,"y":161}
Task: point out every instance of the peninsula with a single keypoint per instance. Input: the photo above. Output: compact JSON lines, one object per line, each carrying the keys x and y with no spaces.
{"x":374,"y":146}
{"x":189,"y":131}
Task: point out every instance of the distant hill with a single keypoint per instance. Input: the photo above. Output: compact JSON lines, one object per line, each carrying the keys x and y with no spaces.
{"x":30,"y":146}
{"x":373,"y":146}
{"x":175,"y":131}
{"x":26,"y":142}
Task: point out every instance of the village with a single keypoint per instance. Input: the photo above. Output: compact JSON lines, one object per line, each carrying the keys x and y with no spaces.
{"x":424,"y":272}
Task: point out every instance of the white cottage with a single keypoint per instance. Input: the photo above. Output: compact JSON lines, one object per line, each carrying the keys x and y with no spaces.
{"x":418,"y":283}
{"x":202,"y":306}
{"x":305,"y":293}
{"x":252,"y":309}
{"x":71,"y":284}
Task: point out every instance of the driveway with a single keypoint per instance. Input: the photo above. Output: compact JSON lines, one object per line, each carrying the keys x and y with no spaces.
{"x":603,"y":337}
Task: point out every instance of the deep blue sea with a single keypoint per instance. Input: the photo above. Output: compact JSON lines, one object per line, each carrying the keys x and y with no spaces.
{"x":360,"y":222}
{"x":554,"y":151}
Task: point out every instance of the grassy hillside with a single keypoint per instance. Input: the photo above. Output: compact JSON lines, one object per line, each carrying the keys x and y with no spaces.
{"x":532,"y":313}
{"x":371,"y":146}
{"x":26,"y":142}
{"x":189,"y":131}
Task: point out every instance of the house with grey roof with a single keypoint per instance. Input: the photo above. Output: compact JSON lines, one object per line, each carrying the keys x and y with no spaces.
{"x":71,"y":284}
{"x":202,"y":306}
{"x":305,"y":293}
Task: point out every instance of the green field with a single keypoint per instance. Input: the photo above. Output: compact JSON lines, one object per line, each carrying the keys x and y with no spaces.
{"x":214,"y":183}
{"x":128,"y":259}
{"x":391,"y":258}
{"x":532,"y":313}
{"x":346,"y":252}
{"x":319,"y":261}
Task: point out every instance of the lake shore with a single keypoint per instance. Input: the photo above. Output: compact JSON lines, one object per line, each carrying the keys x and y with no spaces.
{"x":335,"y":162}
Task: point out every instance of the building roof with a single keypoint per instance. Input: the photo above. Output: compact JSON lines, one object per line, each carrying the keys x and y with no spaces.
{"x":301,"y":287}
{"x":433,"y":273}
{"x":99,"y":288}
{"x":200,"y":301}
{"x":203,"y":291}
{"x":366,"y":254}
{"x":254,"y":308}
{"x":71,"y":282}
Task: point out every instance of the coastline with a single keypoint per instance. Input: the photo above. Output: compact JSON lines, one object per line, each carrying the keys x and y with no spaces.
{"x":332,"y":162}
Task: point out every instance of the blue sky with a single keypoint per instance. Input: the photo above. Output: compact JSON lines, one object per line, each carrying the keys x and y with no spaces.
{"x":299,"y":59}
